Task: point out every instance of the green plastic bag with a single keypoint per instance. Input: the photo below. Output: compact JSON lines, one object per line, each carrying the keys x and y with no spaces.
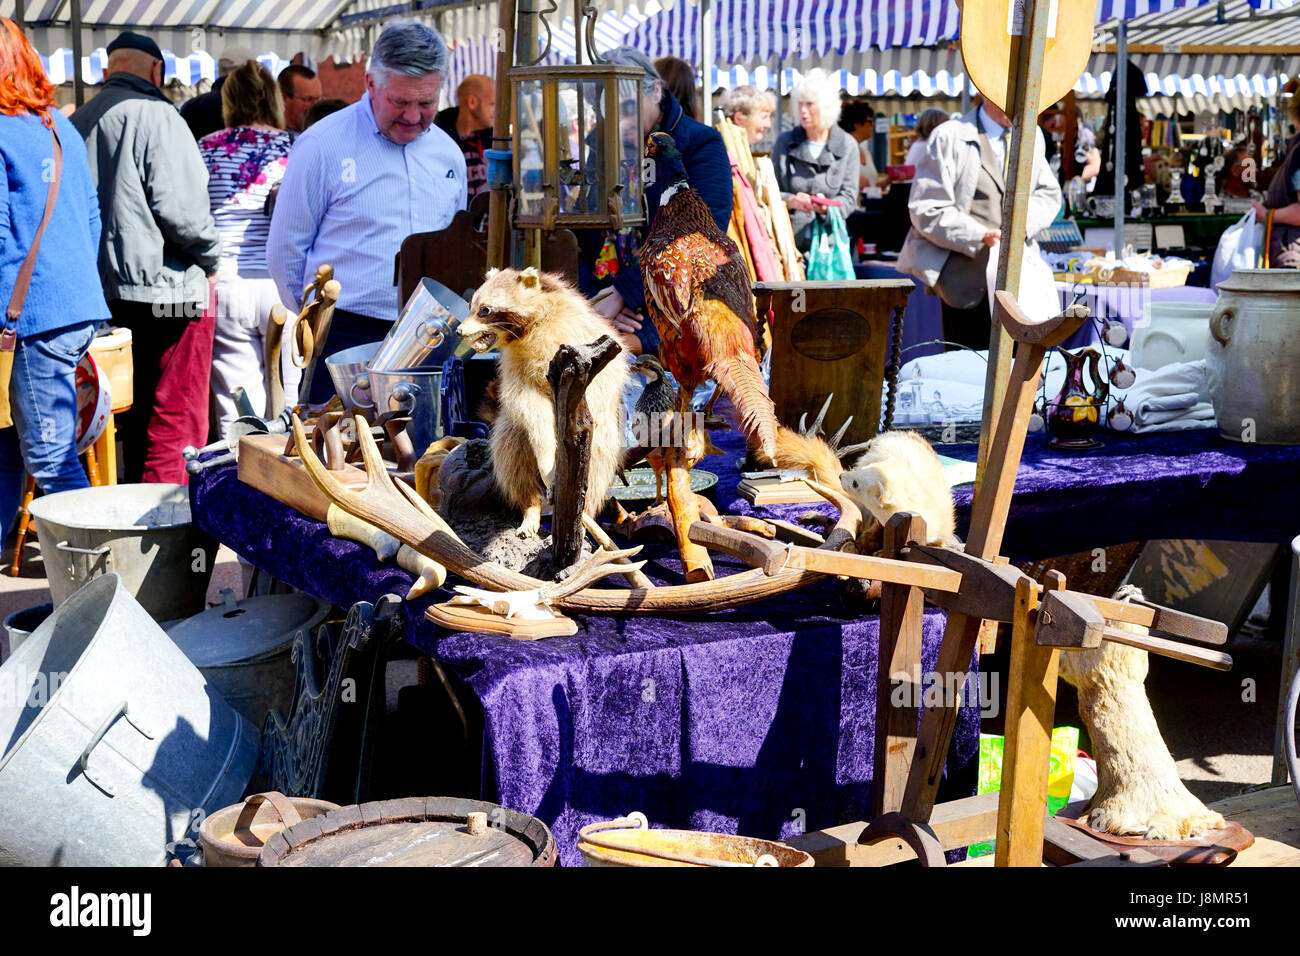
{"x":1060,"y":778}
{"x":828,"y":256}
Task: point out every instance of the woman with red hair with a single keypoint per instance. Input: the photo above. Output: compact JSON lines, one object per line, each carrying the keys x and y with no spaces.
{"x":52,"y":299}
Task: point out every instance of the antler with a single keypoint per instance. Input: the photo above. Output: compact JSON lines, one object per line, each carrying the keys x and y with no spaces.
{"x":387,"y":508}
{"x":816,"y":427}
{"x":846,"y":529}
{"x":600,"y":565}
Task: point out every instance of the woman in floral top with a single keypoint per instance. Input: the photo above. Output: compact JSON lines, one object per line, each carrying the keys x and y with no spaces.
{"x":244,"y":162}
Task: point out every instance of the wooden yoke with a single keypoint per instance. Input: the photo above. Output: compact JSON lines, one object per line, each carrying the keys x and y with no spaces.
{"x":988,"y":523}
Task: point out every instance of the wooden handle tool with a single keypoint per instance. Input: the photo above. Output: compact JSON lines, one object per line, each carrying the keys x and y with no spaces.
{"x":773,"y":557}
{"x":272,"y":372}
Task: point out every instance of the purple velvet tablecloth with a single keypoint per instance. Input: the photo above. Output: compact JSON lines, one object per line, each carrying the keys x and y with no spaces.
{"x":1191,"y":484}
{"x":757,"y":721}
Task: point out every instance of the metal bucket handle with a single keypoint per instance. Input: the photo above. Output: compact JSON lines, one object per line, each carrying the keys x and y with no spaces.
{"x":402,"y":399}
{"x":366,"y":388}
{"x":638,"y":821}
{"x":281,"y":804}
{"x":84,"y":760}
{"x":99,"y":552}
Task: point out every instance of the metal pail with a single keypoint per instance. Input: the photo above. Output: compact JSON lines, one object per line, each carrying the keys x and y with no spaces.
{"x":415,"y":392}
{"x":142,"y":532}
{"x":111,"y":741}
{"x":629,"y":841}
{"x":347,"y":369}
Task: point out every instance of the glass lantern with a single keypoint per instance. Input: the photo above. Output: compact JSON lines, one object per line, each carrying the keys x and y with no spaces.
{"x":578,"y":146}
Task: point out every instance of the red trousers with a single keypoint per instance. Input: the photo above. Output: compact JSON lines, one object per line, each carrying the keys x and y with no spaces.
{"x":172,"y":358}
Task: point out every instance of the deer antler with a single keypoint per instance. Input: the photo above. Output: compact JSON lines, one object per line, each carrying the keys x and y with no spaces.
{"x":381,"y":504}
{"x":600,"y":565}
{"x":816,"y":427}
{"x":846,"y":529}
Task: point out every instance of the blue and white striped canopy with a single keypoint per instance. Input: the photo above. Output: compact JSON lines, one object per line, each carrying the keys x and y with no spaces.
{"x":188,"y":70}
{"x":761,"y":30}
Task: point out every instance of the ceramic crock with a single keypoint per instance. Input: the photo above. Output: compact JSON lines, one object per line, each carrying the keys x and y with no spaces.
{"x":1253,"y":356}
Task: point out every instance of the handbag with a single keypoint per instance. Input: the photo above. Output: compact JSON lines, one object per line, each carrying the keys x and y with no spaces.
{"x":9,"y":336}
{"x":828,"y":256}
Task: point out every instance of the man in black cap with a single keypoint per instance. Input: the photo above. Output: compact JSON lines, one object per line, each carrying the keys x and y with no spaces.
{"x":157,"y":250}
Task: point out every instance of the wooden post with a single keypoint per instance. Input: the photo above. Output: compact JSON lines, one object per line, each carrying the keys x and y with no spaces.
{"x":572,"y":370}
{"x":1023,"y":112}
{"x":499,"y":203}
{"x":901,"y":611}
{"x":78,"y":83}
{"x":1027,"y":751}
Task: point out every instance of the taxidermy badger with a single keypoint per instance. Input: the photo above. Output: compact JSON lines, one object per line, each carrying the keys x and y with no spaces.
{"x":900,"y":472}
{"x":528,"y":315}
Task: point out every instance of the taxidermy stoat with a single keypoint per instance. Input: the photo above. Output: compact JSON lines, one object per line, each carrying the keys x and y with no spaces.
{"x":900,"y":472}
{"x":528,"y":315}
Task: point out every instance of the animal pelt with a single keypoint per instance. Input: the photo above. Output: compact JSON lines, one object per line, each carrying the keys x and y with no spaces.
{"x":527,"y":316}
{"x":901,"y":472}
{"x":1138,"y":789}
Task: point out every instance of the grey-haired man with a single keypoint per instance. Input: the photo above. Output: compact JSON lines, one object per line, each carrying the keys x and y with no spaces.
{"x":360,"y":181}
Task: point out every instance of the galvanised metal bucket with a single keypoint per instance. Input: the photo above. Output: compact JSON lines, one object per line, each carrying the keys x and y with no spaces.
{"x":629,"y":841}
{"x":141,"y":532}
{"x":245,"y":648}
{"x":348,"y":371}
{"x":20,"y":624}
{"x":111,"y":741}
{"x":416,"y":392}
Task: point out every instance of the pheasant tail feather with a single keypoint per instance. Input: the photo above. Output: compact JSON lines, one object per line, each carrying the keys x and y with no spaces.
{"x":742,"y":382}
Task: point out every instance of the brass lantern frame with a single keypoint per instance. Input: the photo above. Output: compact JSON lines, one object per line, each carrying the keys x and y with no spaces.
{"x":609,"y":76}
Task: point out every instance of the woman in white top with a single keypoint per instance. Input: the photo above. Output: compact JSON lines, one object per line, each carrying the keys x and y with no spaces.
{"x":245,"y":162}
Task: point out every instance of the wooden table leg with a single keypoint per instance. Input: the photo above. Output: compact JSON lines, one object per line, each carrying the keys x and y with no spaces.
{"x":1027,"y":751}
{"x":901,"y":619}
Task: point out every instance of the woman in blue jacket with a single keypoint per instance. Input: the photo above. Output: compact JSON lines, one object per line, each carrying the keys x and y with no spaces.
{"x":707,"y":168}
{"x":64,"y":302}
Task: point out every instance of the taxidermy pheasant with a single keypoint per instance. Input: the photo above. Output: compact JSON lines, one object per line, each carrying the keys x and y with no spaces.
{"x":698,"y":295}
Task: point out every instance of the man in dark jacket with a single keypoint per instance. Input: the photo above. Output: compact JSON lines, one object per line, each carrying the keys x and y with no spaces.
{"x":158,"y":248}
{"x":707,"y":168}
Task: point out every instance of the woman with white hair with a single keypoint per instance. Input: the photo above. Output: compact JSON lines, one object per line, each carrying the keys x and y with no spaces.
{"x":817,"y":162}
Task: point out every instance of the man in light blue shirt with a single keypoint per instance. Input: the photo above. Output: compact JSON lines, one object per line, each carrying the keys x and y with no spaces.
{"x":360,"y":181}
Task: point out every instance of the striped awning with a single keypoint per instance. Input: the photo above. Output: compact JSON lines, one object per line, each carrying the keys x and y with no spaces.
{"x":761,"y":30}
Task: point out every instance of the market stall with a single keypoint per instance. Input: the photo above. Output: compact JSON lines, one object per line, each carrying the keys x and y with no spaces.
{"x":776,"y":625}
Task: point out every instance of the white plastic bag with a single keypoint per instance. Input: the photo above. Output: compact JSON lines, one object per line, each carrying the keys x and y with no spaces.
{"x":1239,"y":248}
{"x":1038,"y":297}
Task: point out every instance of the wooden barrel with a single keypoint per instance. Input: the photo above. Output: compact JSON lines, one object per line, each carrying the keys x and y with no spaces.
{"x":417,"y":831}
{"x":235,"y":835}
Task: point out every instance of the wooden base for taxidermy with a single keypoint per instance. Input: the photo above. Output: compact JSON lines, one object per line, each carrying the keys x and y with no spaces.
{"x":481,"y":620}
{"x":774,"y":491}
{"x":1215,"y":848}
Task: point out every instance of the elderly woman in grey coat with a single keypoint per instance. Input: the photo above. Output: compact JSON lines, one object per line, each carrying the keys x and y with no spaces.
{"x":817,"y":159}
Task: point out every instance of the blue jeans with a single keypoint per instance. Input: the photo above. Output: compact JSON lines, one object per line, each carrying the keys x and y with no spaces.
{"x":43,"y":395}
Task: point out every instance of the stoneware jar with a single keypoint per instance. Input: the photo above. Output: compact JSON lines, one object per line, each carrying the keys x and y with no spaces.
{"x":1253,"y":356}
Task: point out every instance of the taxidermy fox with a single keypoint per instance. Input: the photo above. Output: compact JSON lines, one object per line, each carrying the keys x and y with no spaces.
{"x":900,"y":472}
{"x":528,"y":315}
